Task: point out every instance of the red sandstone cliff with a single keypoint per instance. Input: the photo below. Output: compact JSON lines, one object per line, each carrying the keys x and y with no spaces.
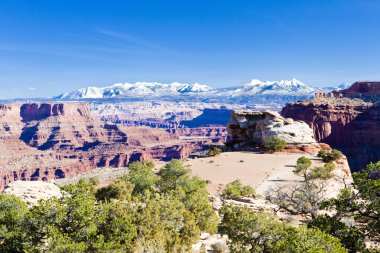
{"x":350,"y":125}
{"x":362,"y":89}
{"x":55,"y":140}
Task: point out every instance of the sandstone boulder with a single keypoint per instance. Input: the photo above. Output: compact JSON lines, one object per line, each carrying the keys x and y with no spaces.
{"x":256,"y":127}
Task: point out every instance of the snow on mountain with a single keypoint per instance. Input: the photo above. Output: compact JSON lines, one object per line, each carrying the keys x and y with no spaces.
{"x":255,"y":87}
{"x":254,"y":92}
{"x":342,"y":86}
{"x":196,"y":87}
{"x":137,"y":89}
{"x":282,"y":87}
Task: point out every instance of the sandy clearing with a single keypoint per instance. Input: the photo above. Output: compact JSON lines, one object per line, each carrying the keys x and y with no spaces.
{"x":261,"y":171}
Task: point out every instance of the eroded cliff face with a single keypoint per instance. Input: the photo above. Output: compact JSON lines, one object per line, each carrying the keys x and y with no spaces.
{"x":368,"y":91}
{"x":350,"y":125}
{"x":64,"y":126}
{"x":183,"y":118}
{"x":55,"y":140}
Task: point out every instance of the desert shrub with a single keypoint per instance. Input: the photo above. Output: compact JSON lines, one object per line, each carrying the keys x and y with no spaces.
{"x":132,"y":214}
{"x":120,"y":189}
{"x":175,"y":179}
{"x":303,"y":163}
{"x":362,"y":201}
{"x":213,"y":152}
{"x":75,"y":222}
{"x":172,"y":176}
{"x":323,"y":172}
{"x":274,"y":144}
{"x":12,"y":217}
{"x":305,"y":197}
{"x":251,"y":231}
{"x":142,"y":177}
{"x":350,"y":237}
{"x":219,"y":247}
{"x":330,"y":156}
{"x":236,"y":190}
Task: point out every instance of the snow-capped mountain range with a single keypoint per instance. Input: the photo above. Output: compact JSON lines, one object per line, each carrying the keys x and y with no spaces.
{"x":136,"y":89}
{"x":256,"y":91}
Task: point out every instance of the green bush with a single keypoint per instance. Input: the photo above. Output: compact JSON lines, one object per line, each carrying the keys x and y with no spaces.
{"x":213,"y":152}
{"x":120,"y":189}
{"x":219,"y":247}
{"x":361,"y":201}
{"x":236,"y":190}
{"x":350,"y":237}
{"x":139,"y":212}
{"x":303,"y":164}
{"x":274,"y":144}
{"x":332,"y":156}
{"x":323,"y":172}
{"x":252,"y":231}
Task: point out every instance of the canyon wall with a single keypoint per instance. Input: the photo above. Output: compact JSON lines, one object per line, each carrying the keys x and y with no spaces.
{"x":184,"y":119}
{"x":43,"y":141}
{"x":349,"y":124}
{"x":368,"y":91}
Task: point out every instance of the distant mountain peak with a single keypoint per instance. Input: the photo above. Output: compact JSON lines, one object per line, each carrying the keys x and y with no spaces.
{"x":136,"y":89}
{"x":289,"y":87}
{"x":253,"y":92}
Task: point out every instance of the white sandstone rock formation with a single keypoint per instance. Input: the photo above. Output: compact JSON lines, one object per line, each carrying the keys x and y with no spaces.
{"x":248,"y":126}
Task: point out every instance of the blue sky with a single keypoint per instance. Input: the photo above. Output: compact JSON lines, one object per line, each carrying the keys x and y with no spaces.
{"x":49,"y":47}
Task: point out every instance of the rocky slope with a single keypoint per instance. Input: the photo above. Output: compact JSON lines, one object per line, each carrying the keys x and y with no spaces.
{"x":56,"y":140}
{"x":348,"y":123}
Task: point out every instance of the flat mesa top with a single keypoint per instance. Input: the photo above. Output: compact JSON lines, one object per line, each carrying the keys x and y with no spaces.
{"x":336,"y":102}
{"x":256,"y":113}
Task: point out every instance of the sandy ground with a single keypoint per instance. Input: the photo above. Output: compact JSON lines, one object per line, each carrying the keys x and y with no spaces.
{"x":261,"y":171}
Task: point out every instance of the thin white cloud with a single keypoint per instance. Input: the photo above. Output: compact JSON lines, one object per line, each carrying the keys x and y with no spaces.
{"x":131,"y":40}
{"x":31,"y":88}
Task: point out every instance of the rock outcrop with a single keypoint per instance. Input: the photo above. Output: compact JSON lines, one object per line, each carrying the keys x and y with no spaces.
{"x":43,"y":141}
{"x":368,"y":91}
{"x":348,"y":124}
{"x":254,"y":127}
{"x":33,"y":191}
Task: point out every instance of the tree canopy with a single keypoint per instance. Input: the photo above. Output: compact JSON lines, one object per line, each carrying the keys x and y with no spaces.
{"x":249,"y":231}
{"x":140,"y":212}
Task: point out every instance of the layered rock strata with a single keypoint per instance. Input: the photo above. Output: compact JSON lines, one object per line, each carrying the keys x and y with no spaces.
{"x":55,"y":140}
{"x":348,"y":124}
{"x":185,"y":119}
{"x":366,"y":90}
